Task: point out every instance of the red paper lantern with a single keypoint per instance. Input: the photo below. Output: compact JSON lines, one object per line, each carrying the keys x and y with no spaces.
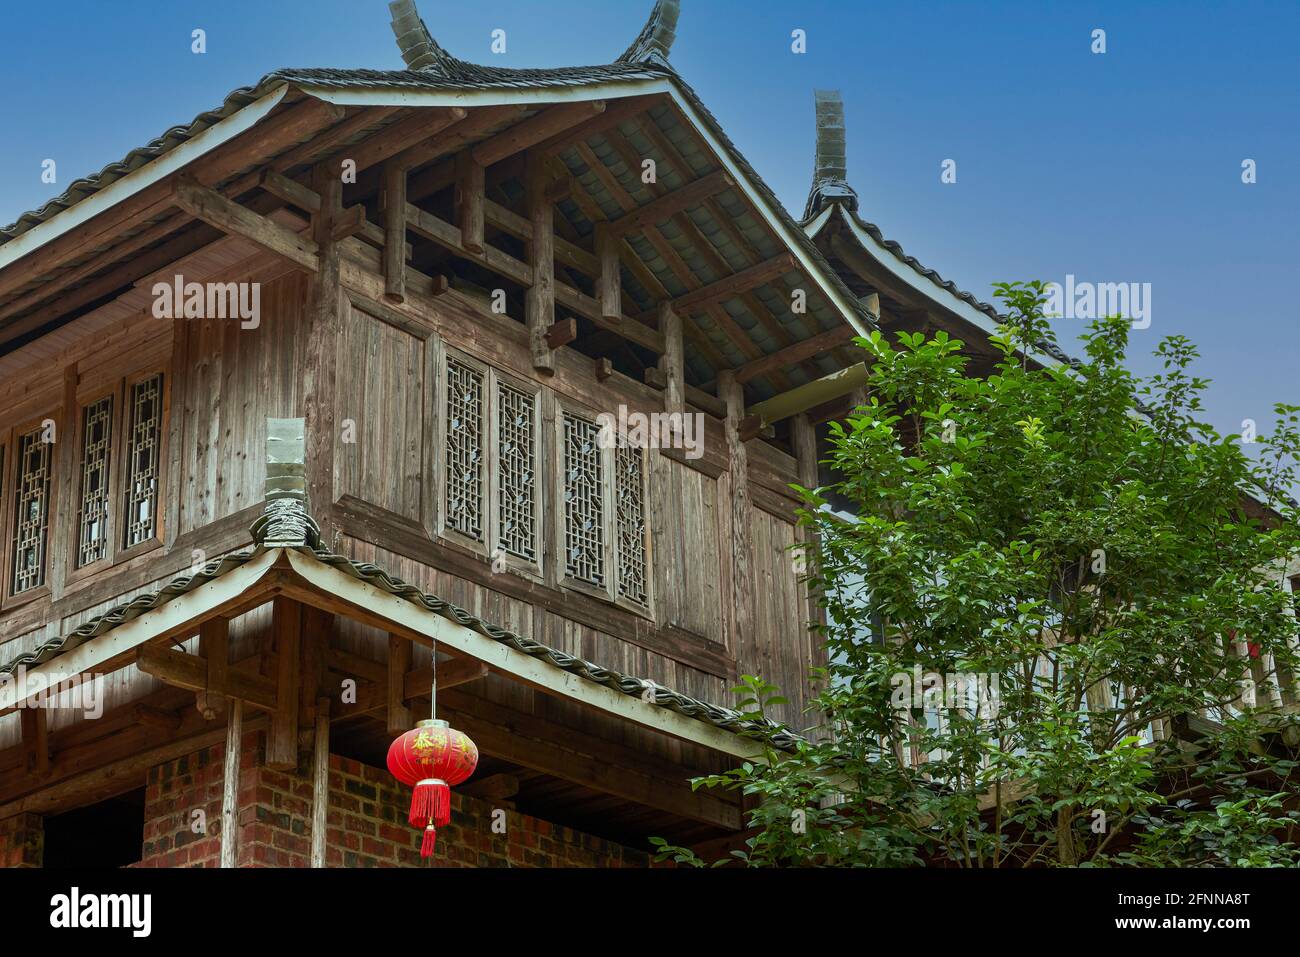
{"x":432,"y":758}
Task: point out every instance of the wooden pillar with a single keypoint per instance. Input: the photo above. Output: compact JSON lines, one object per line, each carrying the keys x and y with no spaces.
{"x":804,"y":435}
{"x":394,"y":233}
{"x":399,"y":663}
{"x":214,"y":647}
{"x":610,"y":282}
{"x":35,"y":728}
{"x":471,"y":189}
{"x":742,"y":566}
{"x":321,"y":336}
{"x":282,"y":738}
{"x":320,"y":782}
{"x":230,"y":783}
{"x":541,"y":252}
{"x":673,"y":362}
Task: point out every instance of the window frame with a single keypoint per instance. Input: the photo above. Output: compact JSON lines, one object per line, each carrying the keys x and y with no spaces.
{"x":162,"y":371}
{"x":118,"y":387}
{"x":536,"y":567}
{"x":488,"y":548}
{"x":77,"y":572}
{"x":10,"y":600}
{"x":609,"y":516}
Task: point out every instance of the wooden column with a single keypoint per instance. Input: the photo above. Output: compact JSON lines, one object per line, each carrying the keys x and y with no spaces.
{"x":399,"y":663}
{"x":321,"y":336}
{"x":471,"y":189}
{"x":320,"y":782}
{"x":214,"y":647}
{"x":394,"y":233}
{"x":742,"y":570}
{"x":673,"y":362}
{"x":610,"y":281}
{"x":804,"y":435}
{"x":282,"y":738}
{"x":230,"y":783}
{"x":35,"y":729}
{"x":541,"y":253}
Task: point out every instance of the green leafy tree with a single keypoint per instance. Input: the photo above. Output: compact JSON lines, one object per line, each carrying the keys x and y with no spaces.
{"x":1078,"y":536}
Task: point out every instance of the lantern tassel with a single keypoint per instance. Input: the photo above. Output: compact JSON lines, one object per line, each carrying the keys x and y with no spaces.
{"x":441,"y":804}
{"x":430,"y":801}
{"x":430,"y":838}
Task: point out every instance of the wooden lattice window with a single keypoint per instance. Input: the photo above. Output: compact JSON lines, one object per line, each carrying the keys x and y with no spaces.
{"x":94,"y":495}
{"x":144,"y":440}
{"x":464,"y":449}
{"x":584,"y":501}
{"x":31,"y":529}
{"x":516,"y":472}
{"x":629,"y":510}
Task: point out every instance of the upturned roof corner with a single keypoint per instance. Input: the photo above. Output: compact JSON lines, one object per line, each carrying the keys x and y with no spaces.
{"x":830,"y":173}
{"x":655,"y":41}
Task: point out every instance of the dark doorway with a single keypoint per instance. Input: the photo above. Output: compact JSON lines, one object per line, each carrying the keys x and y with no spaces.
{"x":107,"y":834}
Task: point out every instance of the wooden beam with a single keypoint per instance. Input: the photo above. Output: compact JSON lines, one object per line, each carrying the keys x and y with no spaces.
{"x":36,"y":740}
{"x":540,"y":299}
{"x":611,"y":273}
{"x":451,"y":674}
{"x":534,"y":130}
{"x":471,"y":195}
{"x":532,"y":748}
{"x":282,"y":739}
{"x":394,"y":233}
{"x":741,"y":558}
{"x":320,"y":785}
{"x":480,"y":120}
{"x":156,"y":717}
{"x":290,"y":126}
{"x":181,"y":670}
{"x":230,"y":785}
{"x":810,"y":394}
{"x":289,"y":190}
{"x":352,"y":222}
{"x":669,"y":204}
{"x":616,"y":111}
{"x":231,"y":218}
{"x":568,"y":253}
{"x":403,"y":138}
{"x":399,"y":663}
{"x":673,"y":361}
{"x":494,"y":787}
{"x":447,"y":236}
{"x":784,"y":358}
{"x":604,"y":369}
{"x":562,"y":333}
{"x":730,"y":286}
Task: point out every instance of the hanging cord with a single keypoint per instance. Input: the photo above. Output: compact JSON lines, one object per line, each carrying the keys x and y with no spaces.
{"x":433,"y":689}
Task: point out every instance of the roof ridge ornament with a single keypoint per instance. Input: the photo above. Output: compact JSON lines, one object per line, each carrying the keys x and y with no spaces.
{"x":656,"y":37}
{"x":830,"y":174}
{"x":420,"y":51}
{"x":285,"y":522}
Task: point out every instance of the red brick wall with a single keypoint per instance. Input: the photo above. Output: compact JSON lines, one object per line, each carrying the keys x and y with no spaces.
{"x":366,"y":821}
{"x":22,"y":841}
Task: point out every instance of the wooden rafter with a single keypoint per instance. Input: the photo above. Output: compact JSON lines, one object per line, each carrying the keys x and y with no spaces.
{"x":214,"y":209}
{"x":822,"y":342}
{"x":534,"y":130}
{"x":671,"y":203}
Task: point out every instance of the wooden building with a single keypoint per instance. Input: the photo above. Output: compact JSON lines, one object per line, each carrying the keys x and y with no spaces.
{"x":308,"y":391}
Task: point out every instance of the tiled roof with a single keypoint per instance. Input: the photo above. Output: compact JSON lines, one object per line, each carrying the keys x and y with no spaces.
{"x":725,"y":718}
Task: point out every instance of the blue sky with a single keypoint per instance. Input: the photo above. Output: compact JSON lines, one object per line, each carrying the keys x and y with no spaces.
{"x":1119,"y":167}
